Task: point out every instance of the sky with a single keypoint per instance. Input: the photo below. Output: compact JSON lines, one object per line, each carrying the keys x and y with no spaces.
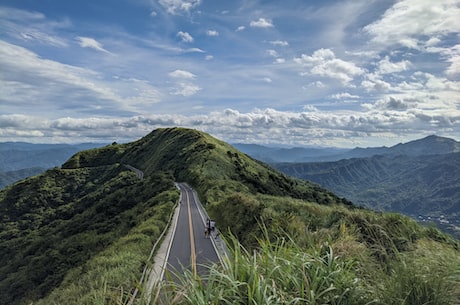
{"x":342,"y":73}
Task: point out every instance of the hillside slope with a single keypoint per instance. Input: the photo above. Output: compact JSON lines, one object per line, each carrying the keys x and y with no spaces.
{"x":80,"y":234}
{"x":413,"y":185}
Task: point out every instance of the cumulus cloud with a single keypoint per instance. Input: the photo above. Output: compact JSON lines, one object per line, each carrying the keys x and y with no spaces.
{"x":185,"y":37}
{"x":240,"y":28}
{"x":391,"y":103}
{"x":324,"y":63}
{"x":88,"y":42}
{"x":409,"y":21}
{"x":385,"y":66}
{"x":176,"y":7}
{"x":261,"y":23}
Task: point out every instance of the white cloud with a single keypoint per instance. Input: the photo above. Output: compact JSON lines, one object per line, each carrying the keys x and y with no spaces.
{"x":50,"y":84}
{"x":344,"y":95}
{"x":324,"y":63}
{"x":267,"y":79}
{"x":375,"y":85}
{"x":182,"y":74}
{"x":88,"y":42}
{"x":185,"y":89}
{"x":176,"y":7}
{"x":409,"y":21}
{"x":391,"y":103}
{"x":385,"y":66}
{"x":212,"y":33}
{"x":453,"y":57}
{"x":32,"y":27}
{"x":240,"y":28}
{"x":261,"y":23}
{"x":272,"y":53}
{"x":393,"y":116}
{"x":282,"y":43}
{"x":184,"y":36}
{"x":280,"y":60}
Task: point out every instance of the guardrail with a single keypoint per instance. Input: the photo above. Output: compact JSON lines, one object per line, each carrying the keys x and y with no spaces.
{"x":146,"y":269}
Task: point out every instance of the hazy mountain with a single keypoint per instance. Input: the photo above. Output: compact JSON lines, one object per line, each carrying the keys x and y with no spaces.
{"x":21,"y":155}
{"x":81,"y":234}
{"x":293,"y":154}
{"x":10,"y":177}
{"x":19,"y":160}
{"x":430,"y":145}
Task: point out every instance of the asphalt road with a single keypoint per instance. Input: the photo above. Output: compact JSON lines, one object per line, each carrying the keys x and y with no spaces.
{"x":190,"y":248}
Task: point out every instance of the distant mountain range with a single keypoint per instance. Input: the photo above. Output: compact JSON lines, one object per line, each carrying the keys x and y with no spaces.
{"x":430,"y":145}
{"x":19,"y":160}
{"x":419,"y":178}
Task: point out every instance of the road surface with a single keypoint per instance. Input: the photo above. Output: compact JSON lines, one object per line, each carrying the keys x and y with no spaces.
{"x":189,"y":247}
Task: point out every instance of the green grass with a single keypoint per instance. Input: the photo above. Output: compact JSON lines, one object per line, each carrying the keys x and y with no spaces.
{"x":111,"y":276}
{"x":281,"y":271}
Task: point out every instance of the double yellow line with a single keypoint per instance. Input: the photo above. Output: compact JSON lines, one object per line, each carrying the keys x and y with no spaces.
{"x":192,"y":238}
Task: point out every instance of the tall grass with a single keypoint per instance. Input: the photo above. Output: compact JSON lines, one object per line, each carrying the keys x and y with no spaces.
{"x":278,"y":273}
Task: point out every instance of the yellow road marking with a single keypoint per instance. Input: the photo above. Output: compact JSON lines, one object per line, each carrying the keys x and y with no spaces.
{"x":192,"y":238}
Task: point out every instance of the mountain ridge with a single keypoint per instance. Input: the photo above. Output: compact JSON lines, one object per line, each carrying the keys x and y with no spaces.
{"x":429,"y":145}
{"x":81,"y":234}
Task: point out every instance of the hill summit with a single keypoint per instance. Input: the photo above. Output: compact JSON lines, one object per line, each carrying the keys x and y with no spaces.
{"x":204,"y":162}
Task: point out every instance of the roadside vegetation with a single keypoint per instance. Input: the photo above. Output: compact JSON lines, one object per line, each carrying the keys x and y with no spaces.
{"x":304,"y":253}
{"x":80,"y":228}
{"x":283,"y":272}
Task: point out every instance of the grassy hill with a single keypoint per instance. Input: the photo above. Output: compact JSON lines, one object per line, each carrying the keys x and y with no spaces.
{"x":81,"y":234}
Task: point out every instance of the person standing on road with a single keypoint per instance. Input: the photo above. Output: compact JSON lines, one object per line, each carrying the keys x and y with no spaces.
{"x":207,"y":231}
{"x":212,"y":225}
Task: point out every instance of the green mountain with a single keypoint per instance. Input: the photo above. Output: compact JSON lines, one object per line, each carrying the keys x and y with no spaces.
{"x":81,"y":234}
{"x":419,"y":186}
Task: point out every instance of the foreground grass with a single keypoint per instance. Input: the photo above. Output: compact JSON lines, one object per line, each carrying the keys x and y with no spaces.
{"x":304,"y":253}
{"x":282,"y":272}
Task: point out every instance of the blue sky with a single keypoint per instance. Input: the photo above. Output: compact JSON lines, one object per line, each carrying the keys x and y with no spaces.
{"x":295,"y":72}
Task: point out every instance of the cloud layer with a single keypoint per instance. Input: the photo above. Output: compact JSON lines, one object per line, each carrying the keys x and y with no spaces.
{"x":296,"y":74}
